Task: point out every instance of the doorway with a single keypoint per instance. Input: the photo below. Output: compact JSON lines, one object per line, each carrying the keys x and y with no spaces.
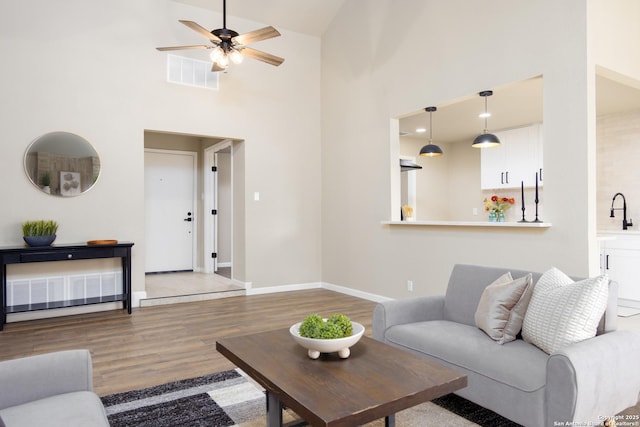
{"x":170,"y":185}
{"x":218,"y":188}
{"x":177,"y":283}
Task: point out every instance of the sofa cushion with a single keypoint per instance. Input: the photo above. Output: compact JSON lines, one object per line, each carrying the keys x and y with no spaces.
{"x":502,"y":307}
{"x":517,"y":363}
{"x":76,"y":409}
{"x":562,"y":311}
{"x":466,"y":284}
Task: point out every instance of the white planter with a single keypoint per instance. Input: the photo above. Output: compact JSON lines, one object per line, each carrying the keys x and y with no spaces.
{"x":316,"y":346}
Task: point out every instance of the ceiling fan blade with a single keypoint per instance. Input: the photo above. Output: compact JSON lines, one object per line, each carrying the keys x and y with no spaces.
{"x":200,"y":30}
{"x":215,"y":67}
{"x":200,"y":46}
{"x":262,"y":56}
{"x":257,"y":35}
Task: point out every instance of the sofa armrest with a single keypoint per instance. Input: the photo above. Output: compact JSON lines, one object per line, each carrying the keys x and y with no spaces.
{"x":36,"y":377}
{"x":595,"y":378}
{"x":398,"y":312}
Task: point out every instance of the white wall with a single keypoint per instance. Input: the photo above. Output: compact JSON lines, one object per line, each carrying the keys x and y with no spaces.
{"x":440,"y":51}
{"x":90,"y":67}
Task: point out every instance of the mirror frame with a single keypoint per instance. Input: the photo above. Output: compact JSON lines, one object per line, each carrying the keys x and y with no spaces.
{"x":71,"y":165}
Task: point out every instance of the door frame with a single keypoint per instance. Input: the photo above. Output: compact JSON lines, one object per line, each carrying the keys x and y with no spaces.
{"x":194,"y":197}
{"x":211,"y":202}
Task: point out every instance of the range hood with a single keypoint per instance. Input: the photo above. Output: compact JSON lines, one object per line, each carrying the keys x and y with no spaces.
{"x":408,"y":165}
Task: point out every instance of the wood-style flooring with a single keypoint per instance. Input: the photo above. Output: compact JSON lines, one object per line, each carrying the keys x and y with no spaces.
{"x":155,"y":345}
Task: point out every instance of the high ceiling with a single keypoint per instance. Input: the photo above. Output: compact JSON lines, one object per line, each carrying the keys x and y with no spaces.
{"x":303,"y":16}
{"x":513,"y":105}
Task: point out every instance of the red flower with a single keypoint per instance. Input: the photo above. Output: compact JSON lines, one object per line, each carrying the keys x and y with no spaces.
{"x":494,"y":198}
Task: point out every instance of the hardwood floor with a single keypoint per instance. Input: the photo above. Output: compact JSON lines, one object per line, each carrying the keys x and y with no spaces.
{"x":159,"y":344}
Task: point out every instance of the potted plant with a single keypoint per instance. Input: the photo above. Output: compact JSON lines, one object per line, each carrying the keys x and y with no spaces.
{"x":335,"y":334}
{"x":45,"y":181}
{"x":39,"y":233}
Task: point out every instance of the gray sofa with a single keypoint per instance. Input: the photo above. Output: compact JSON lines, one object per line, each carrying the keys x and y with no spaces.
{"x":581,"y":382}
{"x":53,"y":389}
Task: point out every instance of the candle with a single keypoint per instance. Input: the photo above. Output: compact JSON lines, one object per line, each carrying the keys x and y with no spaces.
{"x":522,"y":192}
{"x":536,"y":187}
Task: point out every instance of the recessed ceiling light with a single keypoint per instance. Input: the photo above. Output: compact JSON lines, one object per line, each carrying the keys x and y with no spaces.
{"x":421,"y":130}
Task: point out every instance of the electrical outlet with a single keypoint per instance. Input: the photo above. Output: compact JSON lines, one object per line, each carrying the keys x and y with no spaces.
{"x":410,"y":285}
{"x":475,"y":211}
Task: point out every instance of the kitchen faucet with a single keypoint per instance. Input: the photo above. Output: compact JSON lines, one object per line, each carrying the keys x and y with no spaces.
{"x":625,"y":223}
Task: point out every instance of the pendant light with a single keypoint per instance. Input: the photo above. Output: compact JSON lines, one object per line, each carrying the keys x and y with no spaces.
{"x":430,"y":150}
{"x":486,"y":140}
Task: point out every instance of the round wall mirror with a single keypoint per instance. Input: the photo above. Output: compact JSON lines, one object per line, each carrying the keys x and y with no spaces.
{"x":62,"y":164}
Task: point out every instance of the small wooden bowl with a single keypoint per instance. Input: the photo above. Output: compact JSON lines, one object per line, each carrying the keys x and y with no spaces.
{"x":102,"y":242}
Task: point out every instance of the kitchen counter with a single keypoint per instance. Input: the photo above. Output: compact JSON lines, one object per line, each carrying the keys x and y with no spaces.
{"x":470,"y":224}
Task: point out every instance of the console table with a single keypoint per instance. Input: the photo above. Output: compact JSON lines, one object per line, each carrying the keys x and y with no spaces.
{"x":66,"y":252}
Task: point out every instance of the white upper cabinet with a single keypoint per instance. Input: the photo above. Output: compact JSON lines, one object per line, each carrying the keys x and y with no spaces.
{"x":516,"y":160}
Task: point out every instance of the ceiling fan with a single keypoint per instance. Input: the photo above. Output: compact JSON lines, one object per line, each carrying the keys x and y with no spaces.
{"x":229,"y":45}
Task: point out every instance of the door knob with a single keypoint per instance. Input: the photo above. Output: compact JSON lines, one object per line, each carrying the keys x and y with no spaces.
{"x":188,"y":219}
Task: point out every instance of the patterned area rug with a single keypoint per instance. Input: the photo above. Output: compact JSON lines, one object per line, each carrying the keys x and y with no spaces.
{"x":231,"y":399}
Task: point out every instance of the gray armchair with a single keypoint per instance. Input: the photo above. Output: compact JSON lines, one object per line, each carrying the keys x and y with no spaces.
{"x":54,"y":389}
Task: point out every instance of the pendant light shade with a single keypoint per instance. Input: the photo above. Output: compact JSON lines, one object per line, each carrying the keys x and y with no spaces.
{"x":486,"y":139}
{"x":431,"y":150}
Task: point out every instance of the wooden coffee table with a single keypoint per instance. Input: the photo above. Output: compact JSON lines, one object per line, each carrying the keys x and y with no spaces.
{"x":376,"y":381}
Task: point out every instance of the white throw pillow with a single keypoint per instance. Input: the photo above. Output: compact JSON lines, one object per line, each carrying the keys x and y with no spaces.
{"x":562,"y":311}
{"x":502,"y":307}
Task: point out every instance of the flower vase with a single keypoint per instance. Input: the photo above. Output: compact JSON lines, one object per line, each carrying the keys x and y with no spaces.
{"x":492,"y":216}
{"x":500,"y":216}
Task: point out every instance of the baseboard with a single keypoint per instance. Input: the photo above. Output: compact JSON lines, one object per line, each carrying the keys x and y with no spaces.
{"x":628,"y":303}
{"x":283,"y":288}
{"x":136,"y":297}
{"x":64,"y":311}
{"x":317,"y":285}
{"x":245,"y":285}
{"x":355,"y":293}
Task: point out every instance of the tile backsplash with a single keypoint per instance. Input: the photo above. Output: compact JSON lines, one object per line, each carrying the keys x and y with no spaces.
{"x":618,"y":168}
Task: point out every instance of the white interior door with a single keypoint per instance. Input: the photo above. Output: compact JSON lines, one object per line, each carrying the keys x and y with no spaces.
{"x":169,"y":209}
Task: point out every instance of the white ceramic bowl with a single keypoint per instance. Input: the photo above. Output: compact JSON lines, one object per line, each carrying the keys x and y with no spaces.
{"x":316,"y":346}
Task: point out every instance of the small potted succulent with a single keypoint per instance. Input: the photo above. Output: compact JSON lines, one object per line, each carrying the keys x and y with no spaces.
{"x":39,"y":233}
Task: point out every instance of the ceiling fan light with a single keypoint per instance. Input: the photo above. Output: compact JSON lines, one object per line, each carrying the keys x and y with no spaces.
{"x":216,"y":53}
{"x":236,"y":56}
{"x":222,"y":61}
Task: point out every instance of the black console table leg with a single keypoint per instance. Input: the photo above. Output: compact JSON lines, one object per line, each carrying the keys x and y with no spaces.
{"x":3,"y":296}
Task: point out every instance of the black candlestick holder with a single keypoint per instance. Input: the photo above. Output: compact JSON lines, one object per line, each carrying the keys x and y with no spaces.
{"x":537,"y":219}
{"x":522,"y":195}
{"x":523,"y":220}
